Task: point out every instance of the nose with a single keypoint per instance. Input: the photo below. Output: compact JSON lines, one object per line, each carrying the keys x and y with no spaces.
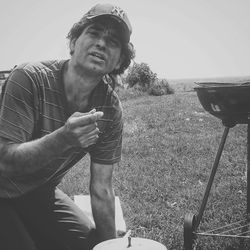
{"x":101,"y":42}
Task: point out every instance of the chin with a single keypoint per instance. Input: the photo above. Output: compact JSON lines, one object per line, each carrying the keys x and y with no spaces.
{"x":90,"y":69}
{"x":97,"y":72}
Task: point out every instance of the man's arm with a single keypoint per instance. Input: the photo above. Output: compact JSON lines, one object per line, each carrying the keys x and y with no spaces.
{"x":24,"y":158}
{"x":103,"y":200}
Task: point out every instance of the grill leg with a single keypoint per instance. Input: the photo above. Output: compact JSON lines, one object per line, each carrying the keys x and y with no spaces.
{"x":248,"y":170}
{"x":211,"y":178}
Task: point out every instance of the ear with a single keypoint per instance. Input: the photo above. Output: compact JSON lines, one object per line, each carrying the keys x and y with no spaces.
{"x":118,"y":65}
{"x":72,"y":46}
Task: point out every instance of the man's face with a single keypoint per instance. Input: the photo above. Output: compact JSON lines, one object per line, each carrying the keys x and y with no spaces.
{"x":98,"y":49}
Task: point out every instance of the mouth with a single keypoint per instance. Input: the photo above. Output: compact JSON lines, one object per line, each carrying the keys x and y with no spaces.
{"x":98,"y":55}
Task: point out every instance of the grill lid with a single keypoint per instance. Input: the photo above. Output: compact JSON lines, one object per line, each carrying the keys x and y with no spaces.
{"x":229,"y":102}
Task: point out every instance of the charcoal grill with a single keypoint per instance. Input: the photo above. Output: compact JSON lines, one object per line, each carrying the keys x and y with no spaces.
{"x":229,"y":102}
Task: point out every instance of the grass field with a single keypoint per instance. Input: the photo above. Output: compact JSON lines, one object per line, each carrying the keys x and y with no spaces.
{"x":168,"y":150}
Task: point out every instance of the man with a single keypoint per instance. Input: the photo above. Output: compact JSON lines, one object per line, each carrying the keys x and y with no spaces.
{"x":52,"y":113}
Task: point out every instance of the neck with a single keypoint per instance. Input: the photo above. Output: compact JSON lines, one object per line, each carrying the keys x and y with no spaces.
{"x":78,"y":87}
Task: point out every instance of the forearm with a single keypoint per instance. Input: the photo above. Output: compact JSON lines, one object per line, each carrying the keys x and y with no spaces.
{"x":103,"y":208}
{"x":28,"y":157}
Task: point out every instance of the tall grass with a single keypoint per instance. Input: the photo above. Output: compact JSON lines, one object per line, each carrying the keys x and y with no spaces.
{"x":168,"y":150}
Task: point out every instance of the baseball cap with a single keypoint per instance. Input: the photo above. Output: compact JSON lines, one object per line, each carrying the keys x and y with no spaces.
{"x":102,"y":10}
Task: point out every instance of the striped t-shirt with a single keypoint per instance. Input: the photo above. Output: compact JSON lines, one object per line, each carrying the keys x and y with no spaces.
{"x":33,"y":105}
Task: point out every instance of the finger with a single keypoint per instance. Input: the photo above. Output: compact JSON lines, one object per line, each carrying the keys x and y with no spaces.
{"x":83,"y":137}
{"x":98,"y":114}
{"x":84,"y":119}
{"x":95,"y":131}
{"x":78,"y":114}
{"x":88,"y":129}
{"x":90,"y":141}
{"x":93,"y":138}
{"x":91,"y":118}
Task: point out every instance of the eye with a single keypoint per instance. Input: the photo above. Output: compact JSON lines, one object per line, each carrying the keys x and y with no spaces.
{"x":93,"y":32}
{"x":114,"y":42}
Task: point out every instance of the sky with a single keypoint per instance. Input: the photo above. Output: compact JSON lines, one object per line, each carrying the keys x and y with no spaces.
{"x":176,"y":38}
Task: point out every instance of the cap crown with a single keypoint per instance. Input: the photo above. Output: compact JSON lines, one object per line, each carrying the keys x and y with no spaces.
{"x":112,"y":11}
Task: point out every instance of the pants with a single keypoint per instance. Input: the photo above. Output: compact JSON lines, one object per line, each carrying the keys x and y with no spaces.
{"x":45,"y":219}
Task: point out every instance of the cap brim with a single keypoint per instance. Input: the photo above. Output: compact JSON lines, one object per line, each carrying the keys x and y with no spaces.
{"x":126,"y":34}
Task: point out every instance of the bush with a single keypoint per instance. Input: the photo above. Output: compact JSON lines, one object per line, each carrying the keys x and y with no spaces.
{"x":129,"y":93}
{"x":160,"y":87}
{"x":140,"y":74}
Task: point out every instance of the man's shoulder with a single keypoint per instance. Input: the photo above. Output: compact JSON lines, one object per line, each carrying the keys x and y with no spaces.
{"x":49,"y":67}
{"x":109,"y":94}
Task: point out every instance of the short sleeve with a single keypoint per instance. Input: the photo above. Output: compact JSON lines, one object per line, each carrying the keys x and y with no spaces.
{"x":17,"y":110}
{"x":108,"y":148}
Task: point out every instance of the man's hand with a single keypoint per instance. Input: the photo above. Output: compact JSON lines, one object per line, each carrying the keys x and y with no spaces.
{"x":82,"y":128}
{"x":20,"y":159}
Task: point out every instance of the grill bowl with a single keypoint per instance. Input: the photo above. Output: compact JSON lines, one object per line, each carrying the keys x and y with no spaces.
{"x":226,"y":101}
